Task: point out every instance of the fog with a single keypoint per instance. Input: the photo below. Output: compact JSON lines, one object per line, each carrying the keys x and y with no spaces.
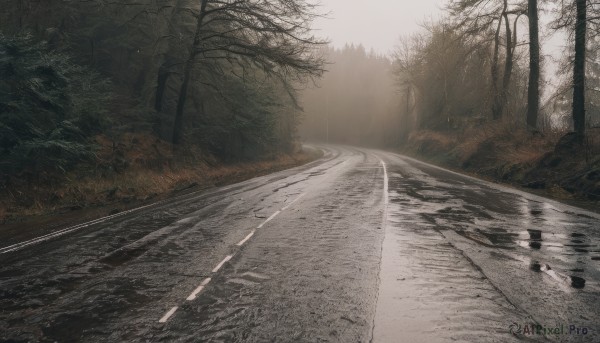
{"x":399,"y":67}
{"x":377,"y":26}
{"x":281,"y":171}
{"x":354,"y":102}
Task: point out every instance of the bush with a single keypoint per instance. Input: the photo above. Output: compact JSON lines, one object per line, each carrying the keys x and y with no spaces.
{"x":49,"y":109}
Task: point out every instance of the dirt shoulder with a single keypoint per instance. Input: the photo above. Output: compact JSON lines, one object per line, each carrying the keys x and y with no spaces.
{"x":553,"y":166}
{"x":25,"y":216}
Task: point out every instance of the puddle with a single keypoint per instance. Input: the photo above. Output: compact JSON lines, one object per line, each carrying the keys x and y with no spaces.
{"x":577,"y":282}
{"x":534,"y":234}
{"x":535,"y":245}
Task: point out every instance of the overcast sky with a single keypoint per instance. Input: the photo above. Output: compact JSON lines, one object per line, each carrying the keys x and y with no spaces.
{"x":379,"y":24}
{"x":376,"y":24}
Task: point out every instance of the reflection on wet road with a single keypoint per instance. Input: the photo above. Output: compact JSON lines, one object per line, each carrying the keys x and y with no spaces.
{"x":358,"y":246}
{"x":469,"y":258}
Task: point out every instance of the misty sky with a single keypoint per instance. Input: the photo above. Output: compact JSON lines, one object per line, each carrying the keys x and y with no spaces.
{"x":376,"y":24}
{"x":379,"y":24}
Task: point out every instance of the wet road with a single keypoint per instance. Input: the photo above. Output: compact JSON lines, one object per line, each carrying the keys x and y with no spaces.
{"x":358,"y":246}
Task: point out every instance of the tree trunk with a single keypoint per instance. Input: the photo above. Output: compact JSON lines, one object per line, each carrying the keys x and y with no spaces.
{"x":166,"y":62}
{"x":533,"y":90}
{"x":508,"y":66}
{"x":161,"y":85}
{"x":178,"y":123}
{"x":187,"y":75}
{"x":404,"y":120}
{"x":579,"y":70}
{"x":494,"y":71}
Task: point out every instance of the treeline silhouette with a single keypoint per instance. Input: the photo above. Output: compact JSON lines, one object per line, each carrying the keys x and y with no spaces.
{"x":355,"y":102}
{"x":480,"y":65}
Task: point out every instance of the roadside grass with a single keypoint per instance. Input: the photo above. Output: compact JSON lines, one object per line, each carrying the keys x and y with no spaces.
{"x":492,"y":144}
{"x":513,"y":155}
{"x":136,"y":170}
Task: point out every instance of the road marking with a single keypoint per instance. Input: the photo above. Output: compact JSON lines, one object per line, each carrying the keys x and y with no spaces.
{"x":168,"y":315}
{"x":245,"y":239}
{"x":500,"y":187}
{"x":385,"y":183}
{"x":199,"y":289}
{"x":283,"y":209}
{"x":43,"y":238}
{"x":293,"y":201}
{"x":269,"y":219}
{"x":384,"y":227}
{"x":227,"y":258}
{"x":21,"y":245}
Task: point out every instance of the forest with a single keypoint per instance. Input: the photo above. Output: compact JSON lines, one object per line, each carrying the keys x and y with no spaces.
{"x":97,"y":93}
{"x":473,"y":91}
{"x":106,"y":91}
{"x":476,"y":65}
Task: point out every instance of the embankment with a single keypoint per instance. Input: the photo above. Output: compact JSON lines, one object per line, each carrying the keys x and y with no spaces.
{"x":554,"y":165}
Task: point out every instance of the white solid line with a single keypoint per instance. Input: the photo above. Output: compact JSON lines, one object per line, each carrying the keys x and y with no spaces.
{"x":227,"y":258}
{"x":293,"y":201}
{"x":21,"y":245}
{"x":269,"y":219}
{"x":168,"y":315}
{"x":385,"y":183}
{"x":198,"y":289}
{"x":504,"y":188}
{"x":245,"y":239}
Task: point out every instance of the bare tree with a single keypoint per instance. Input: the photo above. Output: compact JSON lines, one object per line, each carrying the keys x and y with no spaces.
{"x":509,"y":61}
{"x":579,"y":69}
{"x":408,"y":69}
{"x":272,"y":36}
{"x":442,"y":68}
{"x":533,"y":89}
{"x":580,"y":19}
{"x":484,"y":19}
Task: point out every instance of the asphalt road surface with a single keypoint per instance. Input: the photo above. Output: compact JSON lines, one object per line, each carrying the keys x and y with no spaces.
{"x":358,"y":246}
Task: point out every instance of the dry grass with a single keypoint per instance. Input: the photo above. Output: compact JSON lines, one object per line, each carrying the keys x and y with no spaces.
{"x":490,"y":144}
{"x":435,"y":136}
{"x":510,"y":154}
{"x":151,"y":173}
{"x":559,"y":193}
{"x":504,"y":144}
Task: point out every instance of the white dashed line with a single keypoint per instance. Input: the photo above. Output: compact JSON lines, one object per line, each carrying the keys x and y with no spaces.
{"x":269,"y":219}
{"x":283,"y":209}
{"x":168,"y":315}
{"x":227,"y":258}
{"x":293,"y":201}
{"x":245,"y":239}
{"x":198,"y":290}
